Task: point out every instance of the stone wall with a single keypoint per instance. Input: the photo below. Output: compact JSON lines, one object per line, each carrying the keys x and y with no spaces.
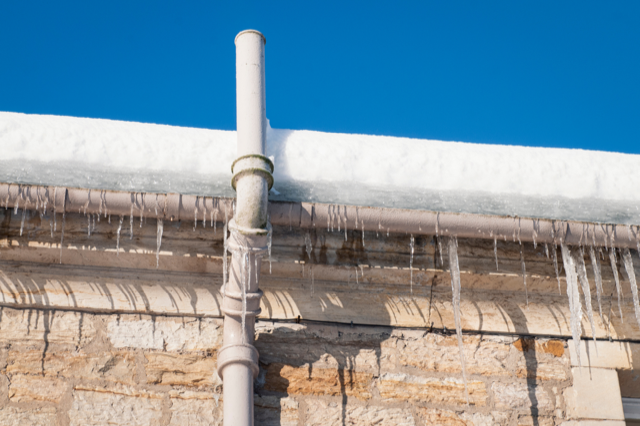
{"x":72,"y":368}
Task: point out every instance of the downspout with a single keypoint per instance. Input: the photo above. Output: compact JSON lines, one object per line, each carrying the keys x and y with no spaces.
{"x":252,"y":179}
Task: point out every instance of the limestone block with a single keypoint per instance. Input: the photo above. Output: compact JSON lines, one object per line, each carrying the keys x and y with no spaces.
{"x":325,"y":347}
{"x":18,"y":416}
{"x":324,"y":413}
{"x":438,"y":417}
{"x":486,"y":355}
{"x":616,"y":355}
{"x":317,"y":381}
{"x":121,"y":406}
{"x":527,"y":420}
{"x":24,"y":388}
{"x":195,"y":409}
{"x":168,"y":368}
{"x":34,"y":327}
{"x":404,"y":387}
{"x":275,"y":411}
{"x":117,"y":367}
{"x":516,"y":395}
{"x":165,"y":333}
{"x":595,"y":394}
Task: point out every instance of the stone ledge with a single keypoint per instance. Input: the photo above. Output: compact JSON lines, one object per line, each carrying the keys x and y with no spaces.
{"x":595,"y":395}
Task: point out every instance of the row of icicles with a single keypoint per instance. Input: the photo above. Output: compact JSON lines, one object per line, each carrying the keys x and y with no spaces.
{"x":572,"y":259}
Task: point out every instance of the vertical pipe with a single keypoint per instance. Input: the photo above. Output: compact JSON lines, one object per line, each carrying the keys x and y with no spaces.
{"x":252,"y":179}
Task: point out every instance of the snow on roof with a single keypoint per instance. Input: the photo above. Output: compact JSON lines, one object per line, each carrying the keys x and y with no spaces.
{"x":325,"y":167}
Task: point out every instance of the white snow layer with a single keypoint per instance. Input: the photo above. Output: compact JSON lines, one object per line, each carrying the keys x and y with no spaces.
{"x":325,"y":167}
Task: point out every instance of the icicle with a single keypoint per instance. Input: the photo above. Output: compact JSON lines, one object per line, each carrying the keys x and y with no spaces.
{"x":212,"y":222}
{"x":555,"y":265}
{"x":362,"y":233}
{"x":257,"y":271}
{"x":574,"y":298}
{"x":269,"y":235}
{"x":535,"y":233}
{"x":614,"y":268}
{"x":131,"y":222}
{"x":438,"y":240}
{"x":118,"y":236}
{"x":24,"y":214}
{"x":195,"y":216}
{"x":89,"y":225}
{"x":524,"y":276}
{"x":339,"y":218}
{"x":495,"y":250}
{"x":595,"y":265}
{"x":455,"y":288}
{"x":412,"y":245}
{"x":51,"y":226}
{"x":356,"y":268}
{"x":224,"y":260}
{"x":64,"y":213}
{"x":631,"y":273}
{"x":546,"y":250}
{"x":586,"y":291}
{"x":158,"y":241}
{"x":244,"y":277}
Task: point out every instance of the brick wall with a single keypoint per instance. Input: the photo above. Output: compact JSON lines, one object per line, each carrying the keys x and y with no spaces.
{"x":70,"y":368}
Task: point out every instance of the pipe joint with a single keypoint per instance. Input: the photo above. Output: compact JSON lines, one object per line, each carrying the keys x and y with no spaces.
{"x":238,"y":354}
{"x":252,"y":164}
{"x":233,"y":301}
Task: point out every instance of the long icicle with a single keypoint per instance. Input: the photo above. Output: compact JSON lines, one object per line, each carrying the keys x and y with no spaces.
{"x":524,"y":276}
{"x":574,"y":298}
{"x":454,"y":268}
{"x":614,"y":268}
{"x":412,"y":244}
{"x":586,"y":291}
{"x":158,"y":241}
{"x":631,"y":273}
{"x":555,"y":265}
{"x":597,"y":273}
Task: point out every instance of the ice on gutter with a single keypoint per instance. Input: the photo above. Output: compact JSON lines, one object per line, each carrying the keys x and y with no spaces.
{"x":345,"y":169}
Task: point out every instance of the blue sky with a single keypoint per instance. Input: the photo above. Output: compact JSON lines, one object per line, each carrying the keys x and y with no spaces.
{"x":553,"y":74}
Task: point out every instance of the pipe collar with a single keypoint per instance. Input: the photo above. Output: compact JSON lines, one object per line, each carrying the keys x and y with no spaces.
{"x":252,"y":164}
{"x":239,"y":353}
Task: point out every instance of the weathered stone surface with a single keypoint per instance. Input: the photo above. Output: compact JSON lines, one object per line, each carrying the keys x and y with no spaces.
{"x":23,"y":388}
{"x":518,"y":395}
{"x":323,"y":413}
{"x":483,"y":355}
{"x":534,"y":368}
{"x":18,"y":416}
{"x":195,"y":409}
{"x":318,"y":381}
{"x":359,"y":349}
{"x":595,"y":394}
{"x":165,"y":333}
{"x":535,"y":421}
{"x":275,"y":411}
{"x":168,"y":368}
{"x":593,"y":423}
{"x":438,"y":417}
{"x":429,"y":389}
{"x":35,"y":327}
{"x":121,"y":406}
{"x":617,"y":355}
{"x":553,"y":347}
{"x":118,"y":367}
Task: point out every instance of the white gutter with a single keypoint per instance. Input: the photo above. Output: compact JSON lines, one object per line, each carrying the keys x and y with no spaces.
{"x":252,"y":179}
{"x":173,"y":207}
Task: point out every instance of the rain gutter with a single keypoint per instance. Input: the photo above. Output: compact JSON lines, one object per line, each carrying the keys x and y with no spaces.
{"x":174,"y":207}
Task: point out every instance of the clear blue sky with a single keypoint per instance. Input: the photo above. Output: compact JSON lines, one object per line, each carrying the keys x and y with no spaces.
{"x":554,"y":74}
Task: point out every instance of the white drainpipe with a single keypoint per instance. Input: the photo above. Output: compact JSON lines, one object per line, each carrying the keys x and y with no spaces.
{"x":252,"y":179}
